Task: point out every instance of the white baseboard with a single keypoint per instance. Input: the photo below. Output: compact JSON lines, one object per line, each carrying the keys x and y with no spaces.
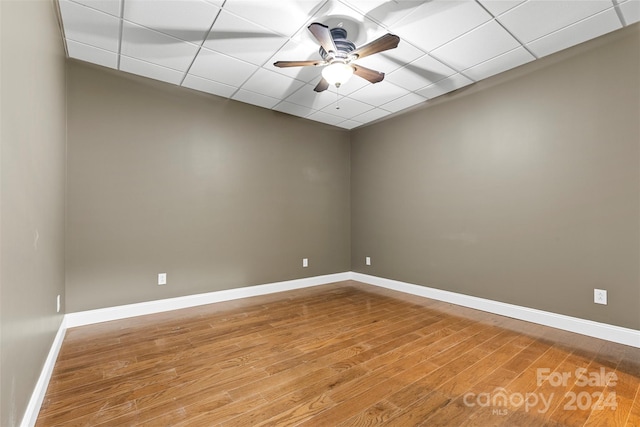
{"x":37,"y":397}
{"x":590,"y":328}
{"x":573,"y":324}
{"x":131,"y":310}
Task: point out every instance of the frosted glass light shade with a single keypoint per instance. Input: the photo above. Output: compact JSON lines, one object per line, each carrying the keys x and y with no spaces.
{"x":337,"y":73}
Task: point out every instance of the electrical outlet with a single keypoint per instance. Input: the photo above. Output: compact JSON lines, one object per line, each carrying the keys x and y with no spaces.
{"x":58,"y":304}
{"x":305,"y":262}
{"x":367,"y":260}
{"x":600,"y":296}
{"x":162,"y":278}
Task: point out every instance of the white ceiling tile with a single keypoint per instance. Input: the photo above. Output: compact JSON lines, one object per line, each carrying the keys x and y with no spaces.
{"x":630,"y":11}
{"x":384,"y":11}
{"x":444,"y":86}
{"x":112,"y":7}
{"x":294,"y":51}
{"x":321,"y":116}
{"x":420,"y":73}
{"x":157,"y":48}
{"x":187,"y":20}
{"x":92,"y":54}
{"x":255,"y":99}
{"x":349,"y":124}
{"x":90,"y":26}
{"x":282,"y":16}
{"x":498,"y":7}
{"x":307,"y":97}
{"x":293,"y":109}
{"x":146,"y":69}
{"x":347,"y":108}
{"x":437,"y":22}
{"x":221,"y":68}
{"x":584,"y":30}
{"x":478,"y":45}
{"x":353,"y":84}
{"x":379,"y":93}
{"x":504,"y":62}
{"x":403,"y":103}
{"x":536,"y":18}
{"x":242,"y":39}
{"x":208,"y":86}
{"x":272,"y":84}
{"x":218,"y":3}
{"x":371,"y":115}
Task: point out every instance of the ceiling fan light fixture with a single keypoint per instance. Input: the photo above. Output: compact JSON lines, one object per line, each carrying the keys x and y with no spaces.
{"x":338,"y":53}
{"x":337,"y":73}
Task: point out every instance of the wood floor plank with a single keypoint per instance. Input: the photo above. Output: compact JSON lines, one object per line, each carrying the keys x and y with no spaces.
{"x":345,"y":354}
{"x":633,"y":420}
{"x":480,"y":395}
{"x":458,"y":384}
{"x":376,"y":415}
{"x":422,"y":408}
{"x":578,"y":405}
{"x":302,"y":394}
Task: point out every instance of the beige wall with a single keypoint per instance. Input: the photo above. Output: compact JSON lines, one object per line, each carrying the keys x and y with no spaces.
{"x":215,"y":193}
{"x":524,"y":189}
{"x":32,"y":147}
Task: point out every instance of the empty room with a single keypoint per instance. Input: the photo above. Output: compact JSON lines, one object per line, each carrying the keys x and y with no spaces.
{"x":320,"y":213}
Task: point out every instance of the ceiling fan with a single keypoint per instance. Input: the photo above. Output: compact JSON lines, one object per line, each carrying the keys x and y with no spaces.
{"x":338,"y":55}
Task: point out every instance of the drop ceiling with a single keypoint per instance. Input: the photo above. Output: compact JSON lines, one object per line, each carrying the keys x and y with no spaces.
{"x":227,"y":47}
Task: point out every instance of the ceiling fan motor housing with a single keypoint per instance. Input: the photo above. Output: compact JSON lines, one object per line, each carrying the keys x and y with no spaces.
{"x":343,"y":45}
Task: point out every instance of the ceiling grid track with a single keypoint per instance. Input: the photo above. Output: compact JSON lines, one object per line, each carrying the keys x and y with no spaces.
{"x":120,"y":30}
{"x":616,"y":5}
{"x":206,"y":36}
{"x":497,"y":21}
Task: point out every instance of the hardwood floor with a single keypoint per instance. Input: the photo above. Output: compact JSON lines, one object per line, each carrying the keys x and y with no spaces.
{"x":344,"y":354}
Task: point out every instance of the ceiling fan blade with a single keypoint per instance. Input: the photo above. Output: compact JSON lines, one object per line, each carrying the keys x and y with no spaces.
{"x":386,"y":42}
{"x":372,"y":76}
{"x":323,"y":35}
{"x":284,"y":64}
{"x":322,"y":85}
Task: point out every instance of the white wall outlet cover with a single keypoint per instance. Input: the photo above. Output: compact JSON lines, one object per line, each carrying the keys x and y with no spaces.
{"x":600,"y":296}
{"x":305,"y":262}
{"x":367,"y":260}
{"x":58,"y":304}
{"x":162,"y":278}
